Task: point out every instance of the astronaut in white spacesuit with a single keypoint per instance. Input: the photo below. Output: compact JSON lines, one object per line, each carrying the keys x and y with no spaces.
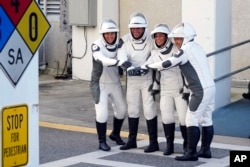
{"x":172,"y":95}
{"x":193,"y":63}
{"x":105,"y":84}
{"x":135,"y":47}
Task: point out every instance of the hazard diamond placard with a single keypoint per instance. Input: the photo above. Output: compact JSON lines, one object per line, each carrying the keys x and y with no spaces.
{"x":23,"y":27}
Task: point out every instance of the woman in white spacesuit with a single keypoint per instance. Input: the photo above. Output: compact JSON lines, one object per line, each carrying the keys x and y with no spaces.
{"x":193,"y":63}
{"x":105,"y":83}
{"x":172,"y":97}
{"x":135,"y":47}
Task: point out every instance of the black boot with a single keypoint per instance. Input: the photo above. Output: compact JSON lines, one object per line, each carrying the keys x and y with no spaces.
{"x":101,"y":131}
{"x":133,"y":129}
{"x":152,"y":131}
{"x":193,"y":136}
{"x":247,"y":95}
{"x":206,"y":139}
{"x":169,"y":134}
{"x":115,"y":134}
{"x":184,"y":136}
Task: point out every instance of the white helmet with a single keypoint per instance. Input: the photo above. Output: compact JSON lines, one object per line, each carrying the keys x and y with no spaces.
{"x":137,"y":20}
{"x":183,"y":30}
{"x":160,"y":28}
{"x":108,"y":25}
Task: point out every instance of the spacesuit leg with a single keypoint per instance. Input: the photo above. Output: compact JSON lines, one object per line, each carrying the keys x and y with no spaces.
{"x":169,"y":134}
{"x":168,"y":120}
{"x":101,"y":131}
{"x":181,"y":108}
{"x":184,"y":136}
{"x":207,"y":125}
{"x":152,"y":131}
{"x":101,"y":120}
{"x":115,"y":134}
{"x":119,"y":107}
{"x":133,"y":129}
{"x":193,"y":136}
{"x":207,"y":137}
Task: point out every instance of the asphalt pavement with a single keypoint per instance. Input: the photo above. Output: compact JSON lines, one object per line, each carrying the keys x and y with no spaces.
{"x":68,"y":136}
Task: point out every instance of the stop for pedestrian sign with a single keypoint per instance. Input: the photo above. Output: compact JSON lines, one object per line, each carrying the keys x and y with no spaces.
{"x":15,"y":135}
{"x":22,"y":29}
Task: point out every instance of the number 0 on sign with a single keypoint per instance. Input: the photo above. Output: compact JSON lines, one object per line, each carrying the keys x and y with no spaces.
{"x":15,"y":135}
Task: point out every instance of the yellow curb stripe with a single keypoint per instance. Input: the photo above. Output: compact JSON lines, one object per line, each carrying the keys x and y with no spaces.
{"x":84,"y":129}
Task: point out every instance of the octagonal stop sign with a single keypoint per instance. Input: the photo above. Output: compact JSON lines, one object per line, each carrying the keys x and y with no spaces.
{"x":23,"y":27}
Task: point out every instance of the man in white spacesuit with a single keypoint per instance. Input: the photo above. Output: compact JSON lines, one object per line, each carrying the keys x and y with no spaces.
{"x":105,"y":83}
{"x":193,"y":63}
{"x":135,"y":47}
{"x":172,"y":95}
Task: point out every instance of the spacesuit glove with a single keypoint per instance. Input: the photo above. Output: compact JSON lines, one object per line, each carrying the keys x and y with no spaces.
{"x":125,"y":65}
{"x":137,"y":71}
{"x":130,"y":71}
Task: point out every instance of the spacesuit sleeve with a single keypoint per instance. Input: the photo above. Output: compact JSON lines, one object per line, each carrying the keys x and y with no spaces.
{"x":175,"y":60}
{"x":99,"y":57}
{"x":122,"y":54}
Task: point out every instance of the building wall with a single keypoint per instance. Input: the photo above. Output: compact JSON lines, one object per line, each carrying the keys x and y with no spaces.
{"x":55,"y":49}
{"x":240,"y":32}
{"x":52,"y":53}
{"x":158,"y":11}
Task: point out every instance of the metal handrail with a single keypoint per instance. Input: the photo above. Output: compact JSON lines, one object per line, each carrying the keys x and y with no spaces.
{"x":223,"y":50}
{"x":231,"y":73}
{"x":227,"y":48}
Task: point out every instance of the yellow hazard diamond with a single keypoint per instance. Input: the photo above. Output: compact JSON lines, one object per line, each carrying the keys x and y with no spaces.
{"x":33,"y":27}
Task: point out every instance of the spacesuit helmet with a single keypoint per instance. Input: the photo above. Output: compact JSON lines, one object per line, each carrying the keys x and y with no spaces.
{"x":109,"y":25}
{"x":138,"y":20}
{"x":183,"y":30}
{"x":161,"y":28}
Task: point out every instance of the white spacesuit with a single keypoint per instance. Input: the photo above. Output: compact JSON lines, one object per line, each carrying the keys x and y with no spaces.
{"x":137,"y":50}
{"x":193,"y":63}
{"x":105,"y":85}
{"x":171,"y":89}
